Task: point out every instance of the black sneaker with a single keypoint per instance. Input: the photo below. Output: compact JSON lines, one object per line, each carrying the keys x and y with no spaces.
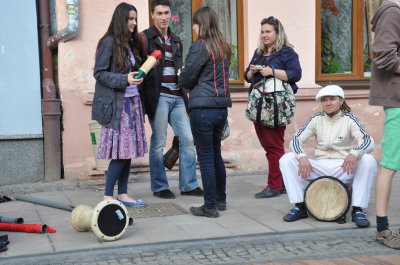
{"x":267,"y":193}
{"x":196,"y":192}
{"x":221,"y":206}
{"x":360,"y":218}
{"x":202,"y":211}
{"x":295,"y":214}
{"x":4,"y":242}
{"x":3,"y":248}
{"x":164,"y":194}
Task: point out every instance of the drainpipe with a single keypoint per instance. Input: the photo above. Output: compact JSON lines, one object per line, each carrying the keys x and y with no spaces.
{"x":51,"y":105}
{"x":72,"y":26}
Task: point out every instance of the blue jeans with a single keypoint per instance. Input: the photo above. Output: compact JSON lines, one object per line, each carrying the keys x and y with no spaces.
{"x":207,"y":126}
{"x":172,"y":110}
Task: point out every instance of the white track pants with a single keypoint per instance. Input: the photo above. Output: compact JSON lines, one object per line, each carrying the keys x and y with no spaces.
{"x":362,"y":181}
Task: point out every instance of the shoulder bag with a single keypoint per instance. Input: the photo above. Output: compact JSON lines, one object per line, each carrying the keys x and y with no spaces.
{"x":226,"y":131}
{"x":271,"y":102}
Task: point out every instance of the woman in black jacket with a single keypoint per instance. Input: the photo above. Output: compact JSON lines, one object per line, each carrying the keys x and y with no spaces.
{"x":116,"y":103}
{"x":206,"y":77}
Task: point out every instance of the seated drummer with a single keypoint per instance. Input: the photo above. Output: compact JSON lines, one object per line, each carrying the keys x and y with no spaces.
{"x":335,"y":130}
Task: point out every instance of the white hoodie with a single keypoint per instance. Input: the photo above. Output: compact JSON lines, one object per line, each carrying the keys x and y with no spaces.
{"x":334,"y":136}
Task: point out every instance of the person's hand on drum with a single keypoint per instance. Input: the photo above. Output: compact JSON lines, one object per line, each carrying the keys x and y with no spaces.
{"x":304,"y":167}
{"x":350,"y":164}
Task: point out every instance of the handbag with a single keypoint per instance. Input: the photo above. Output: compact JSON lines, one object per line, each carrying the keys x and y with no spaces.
{"x":226,"y":131}
{"x":270,"y":87}
{"x":271,"y":102}
{"x":172,"y":155}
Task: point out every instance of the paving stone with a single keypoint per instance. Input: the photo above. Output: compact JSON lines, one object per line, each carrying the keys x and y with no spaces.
{"x":315,"y":241}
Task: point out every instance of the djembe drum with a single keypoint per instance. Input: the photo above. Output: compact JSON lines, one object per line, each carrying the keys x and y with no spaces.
{"x":327,"y":199}
{"x":108,"y":220}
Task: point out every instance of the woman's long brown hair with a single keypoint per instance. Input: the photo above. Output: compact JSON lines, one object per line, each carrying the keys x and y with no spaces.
{"x":122,"y":38}
{"x":209,"y":31}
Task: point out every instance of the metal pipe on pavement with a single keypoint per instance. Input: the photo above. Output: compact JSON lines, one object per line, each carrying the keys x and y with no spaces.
{"x":15,"y":220}
{"x":37,"y":200}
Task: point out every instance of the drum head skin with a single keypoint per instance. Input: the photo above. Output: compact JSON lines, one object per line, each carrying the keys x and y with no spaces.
{"x":109,"y":220}
{"x":327,"y":199}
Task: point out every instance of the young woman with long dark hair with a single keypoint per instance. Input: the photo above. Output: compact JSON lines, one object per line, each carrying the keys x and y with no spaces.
{"x":116,"y":104}
{"x":206,"y":77}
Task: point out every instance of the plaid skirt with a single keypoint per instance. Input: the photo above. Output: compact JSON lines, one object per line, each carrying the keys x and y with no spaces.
{"x":129,"y":141}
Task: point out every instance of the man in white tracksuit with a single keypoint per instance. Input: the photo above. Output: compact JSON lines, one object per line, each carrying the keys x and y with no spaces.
{"x":335,"y":130}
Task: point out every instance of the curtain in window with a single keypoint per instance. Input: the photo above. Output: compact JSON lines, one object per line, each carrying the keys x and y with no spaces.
{"x":181,"y":22}
{"x":370,"y":8}
{"x":336,"y":18}
{"x":223,"y":10}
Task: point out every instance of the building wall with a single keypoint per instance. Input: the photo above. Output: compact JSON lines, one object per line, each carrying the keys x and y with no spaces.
{"x":76,"y":60}
{"x":298,"y":19}
{"x":21,"y":138}
{"x":76,"y":82}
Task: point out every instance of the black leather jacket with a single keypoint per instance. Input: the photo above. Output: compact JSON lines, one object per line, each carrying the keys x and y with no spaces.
{"x":152,"y":82}
{"x":206,"y":79}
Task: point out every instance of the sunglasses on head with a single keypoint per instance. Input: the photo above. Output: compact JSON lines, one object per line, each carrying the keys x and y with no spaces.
{"x":269,"y":20}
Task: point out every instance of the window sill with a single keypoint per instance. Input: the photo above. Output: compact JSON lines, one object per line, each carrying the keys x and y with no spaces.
{"x":239,"y":93}
{"x":347,"y":84}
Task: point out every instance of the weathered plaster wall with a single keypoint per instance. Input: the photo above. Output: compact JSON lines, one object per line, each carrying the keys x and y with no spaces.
{"x":76,"y":60}
{"x":298,"y":19}
{"x":75,"y":75}
{"x":294,"y":15}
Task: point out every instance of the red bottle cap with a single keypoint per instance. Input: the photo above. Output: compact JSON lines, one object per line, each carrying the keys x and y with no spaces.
{"x":156,"y":54}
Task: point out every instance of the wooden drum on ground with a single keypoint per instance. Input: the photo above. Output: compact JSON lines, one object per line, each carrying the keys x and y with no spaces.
{"x":108,"y":220}
{"x":327,"y":199}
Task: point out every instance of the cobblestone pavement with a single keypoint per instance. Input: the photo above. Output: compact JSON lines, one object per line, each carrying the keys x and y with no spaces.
{"x":278,"y":247}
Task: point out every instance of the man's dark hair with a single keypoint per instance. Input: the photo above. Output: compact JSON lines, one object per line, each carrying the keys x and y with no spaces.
{"x":155,"y":3}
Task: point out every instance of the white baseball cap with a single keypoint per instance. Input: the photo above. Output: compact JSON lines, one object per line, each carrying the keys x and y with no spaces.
{"x":331,"y":90}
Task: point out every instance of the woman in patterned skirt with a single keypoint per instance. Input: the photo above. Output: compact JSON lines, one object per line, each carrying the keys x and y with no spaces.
{"x":116,"y":104}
